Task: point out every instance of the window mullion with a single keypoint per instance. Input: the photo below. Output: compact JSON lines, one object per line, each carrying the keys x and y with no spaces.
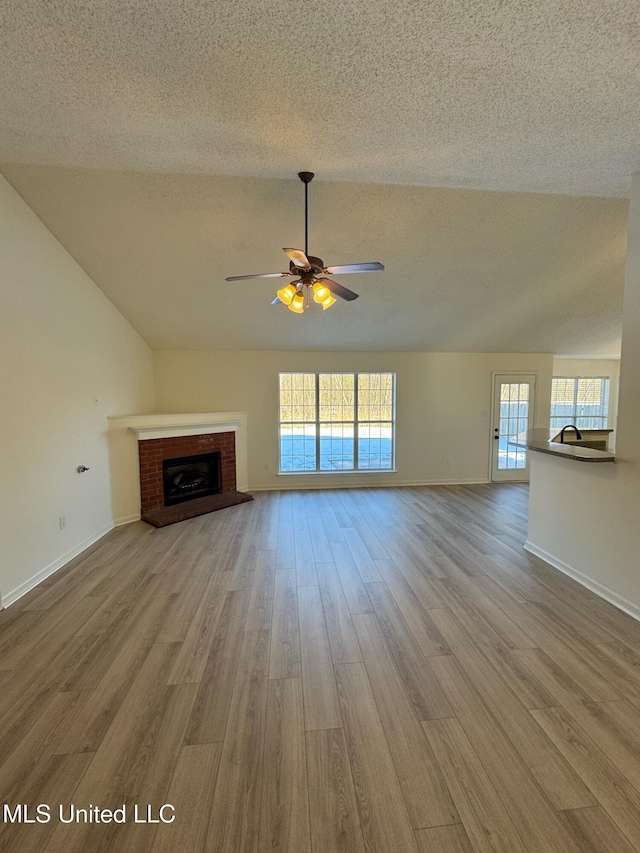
{"x":317,"y":421}
{"x":393,"y":421}
{"x":356,"y":427}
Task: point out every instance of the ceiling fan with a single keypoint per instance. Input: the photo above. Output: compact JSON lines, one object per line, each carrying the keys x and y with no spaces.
{"x":309,"y":272}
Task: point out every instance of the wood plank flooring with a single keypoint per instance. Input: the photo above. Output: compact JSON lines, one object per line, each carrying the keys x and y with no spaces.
{"x":352,"y":671}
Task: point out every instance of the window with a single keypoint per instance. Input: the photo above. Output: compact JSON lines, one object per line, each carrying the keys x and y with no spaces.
{"x":579,"y":400}
{"x":337,"y":422}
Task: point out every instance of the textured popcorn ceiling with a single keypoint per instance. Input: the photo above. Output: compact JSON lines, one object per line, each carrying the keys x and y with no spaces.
{"x":466,"y":270}
{"x":155,"y":105}
{"x":534,"y":95}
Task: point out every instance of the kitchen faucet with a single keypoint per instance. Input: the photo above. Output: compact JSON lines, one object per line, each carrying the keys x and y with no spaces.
{"x":570,"y":426}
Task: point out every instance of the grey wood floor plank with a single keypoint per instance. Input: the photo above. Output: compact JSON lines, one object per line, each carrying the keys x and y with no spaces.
{"x":321,"y":706}
{"x":354,"y":590}
{"x":260,"y":610}
{"x":342,"y":637}
{"x":426,"y":695}
{"x":335,"y":824}
{"x":53,"y":784}
{"x":235,"y":811}
{"x":192,"y":660}
{"x":190,"y":795}
{"x":417,"y":618}
{"x":136,"y":758}
{"x":484,"y":817}
{"x":24,"y":761}
{"x":285,"y":634}
{"x":320,"y":544}
{"x":615,"y":794}
{"x":425,"y":793}
{"x":285,"y":551}
{"x":332,"y":529}
{"x":383,"y":813}
{"x":284,"y":812}
{"x":364,"y":563}
{"x":530,"y":811}
{"x":304,"y":556}
{"x":594,"y":831}
{"x":444,"y":839}
{"x":466,"y":681}
{"x":210,"y":712}
{"x":554,"y":775}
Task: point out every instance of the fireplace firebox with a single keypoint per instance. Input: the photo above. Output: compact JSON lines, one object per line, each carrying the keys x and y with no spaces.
{"x":168,"y":496}
{"x":190,"y":477}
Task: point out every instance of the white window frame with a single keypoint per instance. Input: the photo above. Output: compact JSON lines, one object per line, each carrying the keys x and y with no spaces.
{"x":356,"y":422}
{"x":574,"y":417}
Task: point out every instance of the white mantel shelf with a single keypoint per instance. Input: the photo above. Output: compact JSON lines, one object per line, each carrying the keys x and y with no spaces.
{"x":126,"y":430}
{"x":146,"y":427}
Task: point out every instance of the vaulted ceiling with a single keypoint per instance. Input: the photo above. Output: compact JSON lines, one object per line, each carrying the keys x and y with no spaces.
{"x":180,"y":128}
{"x":464,"y":270}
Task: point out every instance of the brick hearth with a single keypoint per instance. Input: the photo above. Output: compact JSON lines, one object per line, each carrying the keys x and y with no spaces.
{"x":152,"y":452}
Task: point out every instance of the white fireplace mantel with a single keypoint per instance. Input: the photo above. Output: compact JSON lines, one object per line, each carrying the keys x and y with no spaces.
{"x":170,"y":426}
{"x":125,"y":432}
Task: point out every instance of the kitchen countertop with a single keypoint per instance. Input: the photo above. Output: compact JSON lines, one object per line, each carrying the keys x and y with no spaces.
{"x":538,"y":441}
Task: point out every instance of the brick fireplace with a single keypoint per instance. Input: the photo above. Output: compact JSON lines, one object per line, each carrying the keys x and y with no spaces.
{"x":139,"y":444}
{"x":155,"y":508}
{"x":153,"y":452}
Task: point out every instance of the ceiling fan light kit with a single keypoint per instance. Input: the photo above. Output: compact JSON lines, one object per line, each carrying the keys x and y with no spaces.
{"x":287,"y":293}
{"x":308,"y":269}
{"x":328,"y":302}
{"x":320,"y":292}
{"x":297,"y":303}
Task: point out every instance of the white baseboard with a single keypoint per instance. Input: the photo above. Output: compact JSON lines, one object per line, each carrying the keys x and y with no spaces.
{"x":126,"y":519}
{"x":11,"y":597}
{"x":603,"y":591}
{"x":290,"y":483}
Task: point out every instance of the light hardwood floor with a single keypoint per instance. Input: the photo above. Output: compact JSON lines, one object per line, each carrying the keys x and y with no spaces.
{"x":379,"y":671}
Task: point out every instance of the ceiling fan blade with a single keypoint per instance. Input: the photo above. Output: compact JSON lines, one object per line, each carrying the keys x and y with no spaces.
{"x":299,"y":258}
{"x":277,"y":301}
{"x":338,"y":289}
{"x":260,"y":275}
{"x":373,"y":266}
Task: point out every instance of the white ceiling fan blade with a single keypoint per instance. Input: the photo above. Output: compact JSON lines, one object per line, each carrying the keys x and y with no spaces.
{"x":299,"y":258}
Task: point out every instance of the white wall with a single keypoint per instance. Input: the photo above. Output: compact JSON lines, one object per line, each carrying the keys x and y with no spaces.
{"x":440,"y":397}
{"x":609,"y":367}
{"x":584,"y":518}
{"x":62,"y":343}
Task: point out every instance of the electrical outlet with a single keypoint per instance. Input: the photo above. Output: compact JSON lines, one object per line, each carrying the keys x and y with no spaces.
{"x":267,"y":467}
{"x":63,"y":522}
{"x":96,"y":402}
{"x":484,"y":413}
{"x":449,"y":463}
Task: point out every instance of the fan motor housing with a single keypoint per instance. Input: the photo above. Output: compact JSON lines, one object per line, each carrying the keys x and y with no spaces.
{"x":317,"y":266}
